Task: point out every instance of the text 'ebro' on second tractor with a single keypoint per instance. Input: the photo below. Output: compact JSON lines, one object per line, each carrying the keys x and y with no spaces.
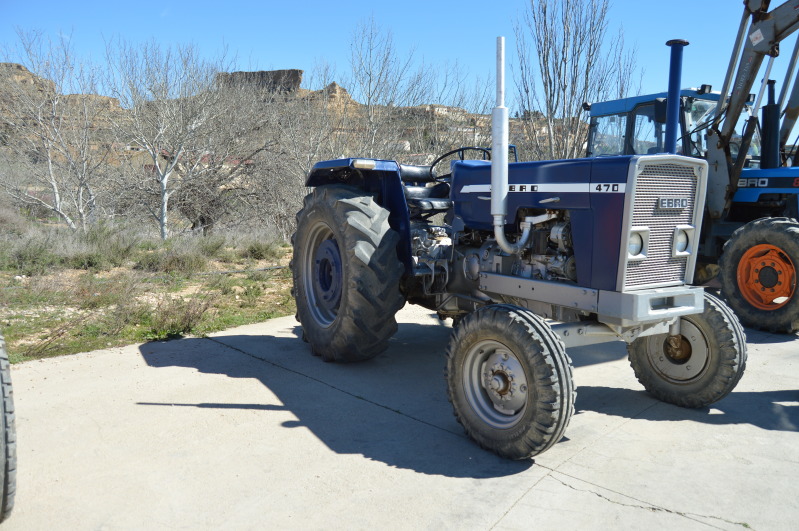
{"x":531,"y":258}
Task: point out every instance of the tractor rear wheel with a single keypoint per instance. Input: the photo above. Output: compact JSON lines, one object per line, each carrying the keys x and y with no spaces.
{"x":8,"y":438}
{"x":760,"y":273}
{"x":346,"y":274}
{"x":706,"y":366}
{"x":509,"y":381}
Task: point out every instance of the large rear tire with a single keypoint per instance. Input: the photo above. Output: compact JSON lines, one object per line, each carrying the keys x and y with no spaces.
{"x":346,"y":274}
{"x":706,"y":368}
{"x":509,"y":381}
{"x":760,"y":273}
{"x":8,"y":438}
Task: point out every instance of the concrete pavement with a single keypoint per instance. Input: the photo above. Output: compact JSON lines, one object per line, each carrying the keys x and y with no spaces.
{"x":247,"y":430}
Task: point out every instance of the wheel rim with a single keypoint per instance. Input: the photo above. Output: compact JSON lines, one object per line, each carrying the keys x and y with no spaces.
{"x":766,"y":277}
{"x":688,"y":363}
{"x":323,"y":274}
{"x":495,"y":384}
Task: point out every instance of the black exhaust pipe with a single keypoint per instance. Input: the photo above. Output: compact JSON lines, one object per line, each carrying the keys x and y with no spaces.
{"x":673,"y":100}
{"x":770,"y":156}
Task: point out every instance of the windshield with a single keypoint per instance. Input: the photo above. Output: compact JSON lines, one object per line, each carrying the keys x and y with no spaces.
{"x":698,"y":117}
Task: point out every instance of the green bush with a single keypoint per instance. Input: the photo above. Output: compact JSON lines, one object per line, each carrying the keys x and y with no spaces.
{"x":259,"y":250}
{"x":172,"y":261}
{"x":211,"y":246}
{"x":92,"y":293}
{"x":34,"y":255}
{"x":174,"y":318}
{"x":251,"y":294}
{"x":89,"y":260}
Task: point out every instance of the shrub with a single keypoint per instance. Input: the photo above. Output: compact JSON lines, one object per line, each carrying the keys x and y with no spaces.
{"x":33,"y":255}
{"x":88,"y":260}
{"x":260,"y":250}
{"x":174,"y":318}
{"x":251,"y":294}
{"x":211,"y":246}
{"x":172,"y":261}
{"x":92,"y":293}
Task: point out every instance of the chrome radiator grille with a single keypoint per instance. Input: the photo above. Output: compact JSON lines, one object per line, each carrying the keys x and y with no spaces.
{"x":654,"y":181}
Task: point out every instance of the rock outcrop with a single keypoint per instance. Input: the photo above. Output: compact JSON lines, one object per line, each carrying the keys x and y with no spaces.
{"x":279,"y":81}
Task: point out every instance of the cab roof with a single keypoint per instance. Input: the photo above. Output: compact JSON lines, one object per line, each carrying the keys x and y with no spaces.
{"x":626,"y":105}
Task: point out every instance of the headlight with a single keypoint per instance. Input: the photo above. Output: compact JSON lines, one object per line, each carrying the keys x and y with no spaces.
{"x":680,"y":241}
{"x":635,"y":245}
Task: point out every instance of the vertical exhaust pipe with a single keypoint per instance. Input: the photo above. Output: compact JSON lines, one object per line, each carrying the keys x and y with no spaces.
{"x":769,"y":143}
{"x":499,"y":143}
{"x":673,"y":99}
{"x":499,"y":162}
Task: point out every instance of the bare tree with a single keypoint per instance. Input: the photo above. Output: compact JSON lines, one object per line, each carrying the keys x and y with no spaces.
{"x":181,"y":131}
{"x":570,"y":61}
{"x":55,"y":130}
{"x":383,"y":81}
{"x":242,"y":139}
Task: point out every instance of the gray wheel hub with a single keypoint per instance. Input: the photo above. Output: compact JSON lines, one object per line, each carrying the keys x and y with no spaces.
{"x":686,"y":364}
{"x":495,"y":384}
{"x":504,"y":381}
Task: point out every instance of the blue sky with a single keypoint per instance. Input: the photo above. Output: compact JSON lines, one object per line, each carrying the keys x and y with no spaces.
{"x":283,"y":34}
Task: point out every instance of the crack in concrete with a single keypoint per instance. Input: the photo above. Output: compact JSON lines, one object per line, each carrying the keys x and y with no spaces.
{"x":645,"y":505}
{"x":642,"y":504}
{"x":534,"y":485}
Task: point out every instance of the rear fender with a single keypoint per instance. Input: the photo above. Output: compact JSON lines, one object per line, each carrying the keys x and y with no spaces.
{"x":379,"y":178}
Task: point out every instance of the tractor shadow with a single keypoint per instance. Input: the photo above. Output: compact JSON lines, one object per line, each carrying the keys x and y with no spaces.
{"x":392,"y":409}
{"x":760,"y":337}
{"x":768,"y":410}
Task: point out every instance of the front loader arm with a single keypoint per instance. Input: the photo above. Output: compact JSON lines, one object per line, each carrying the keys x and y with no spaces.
{"x":766,"y":29}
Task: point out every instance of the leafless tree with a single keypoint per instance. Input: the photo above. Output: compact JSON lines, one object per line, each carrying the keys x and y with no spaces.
{"x":55,"y":130}
{"x":185,"y":131}
{"x":566,"y":59}
{"x":384,"y":82}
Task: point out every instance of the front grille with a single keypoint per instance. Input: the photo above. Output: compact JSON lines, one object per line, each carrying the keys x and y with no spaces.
{"x":654,"y":181}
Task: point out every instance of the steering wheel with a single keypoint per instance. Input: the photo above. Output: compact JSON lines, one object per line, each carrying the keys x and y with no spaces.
{"x":460,"y":152}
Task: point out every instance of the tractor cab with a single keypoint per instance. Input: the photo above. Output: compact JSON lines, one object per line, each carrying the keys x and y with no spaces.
{"x":637,"y":126}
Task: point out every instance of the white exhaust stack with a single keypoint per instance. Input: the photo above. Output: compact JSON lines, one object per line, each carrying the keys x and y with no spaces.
{"x":499,"y":162}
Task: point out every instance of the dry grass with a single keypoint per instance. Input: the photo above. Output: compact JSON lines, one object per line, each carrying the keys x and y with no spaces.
{"x":62,"y":294}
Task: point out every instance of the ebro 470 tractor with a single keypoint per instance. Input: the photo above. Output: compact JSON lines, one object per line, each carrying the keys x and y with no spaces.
{"x":533,"y":257}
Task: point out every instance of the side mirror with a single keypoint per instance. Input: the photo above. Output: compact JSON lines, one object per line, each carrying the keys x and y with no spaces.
{"x":660,"y":110}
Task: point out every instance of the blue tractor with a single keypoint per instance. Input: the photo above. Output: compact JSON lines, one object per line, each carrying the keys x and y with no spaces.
{"x":750,"y":232}
{"x":526,"y":258}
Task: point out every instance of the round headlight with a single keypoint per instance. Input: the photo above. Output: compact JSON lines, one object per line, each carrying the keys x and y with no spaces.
{"x":681,"y":241}
{"x":636,"y":244}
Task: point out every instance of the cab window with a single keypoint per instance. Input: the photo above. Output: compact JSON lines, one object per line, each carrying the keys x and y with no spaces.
{"x":647,"y":133}
{"x":607,"y":134}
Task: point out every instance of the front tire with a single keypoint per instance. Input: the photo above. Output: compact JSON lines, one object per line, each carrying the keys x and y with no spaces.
{"x":760,"y":272}
{"x":708,"y":366}
{"x":346,"y":274}
{"x":8,"y":438}
{"x":509,"y":381}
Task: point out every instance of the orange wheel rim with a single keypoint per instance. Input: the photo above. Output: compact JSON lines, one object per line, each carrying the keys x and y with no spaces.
{"x":766,"y":277}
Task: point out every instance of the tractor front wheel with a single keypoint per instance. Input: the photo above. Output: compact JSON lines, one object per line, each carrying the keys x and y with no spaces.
{"x":760,"y":273}
{"x":702,"y":366}
{"x":346,"y":274}
{"x":509,"y":381}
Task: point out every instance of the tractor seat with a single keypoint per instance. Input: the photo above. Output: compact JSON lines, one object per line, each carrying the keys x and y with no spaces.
{"x":437,"y":191}
{"x":416,"y":174}
{"x":428,"y":198}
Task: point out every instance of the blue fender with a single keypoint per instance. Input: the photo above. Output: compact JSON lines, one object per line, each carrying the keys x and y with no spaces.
{"x":380,"y":178}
